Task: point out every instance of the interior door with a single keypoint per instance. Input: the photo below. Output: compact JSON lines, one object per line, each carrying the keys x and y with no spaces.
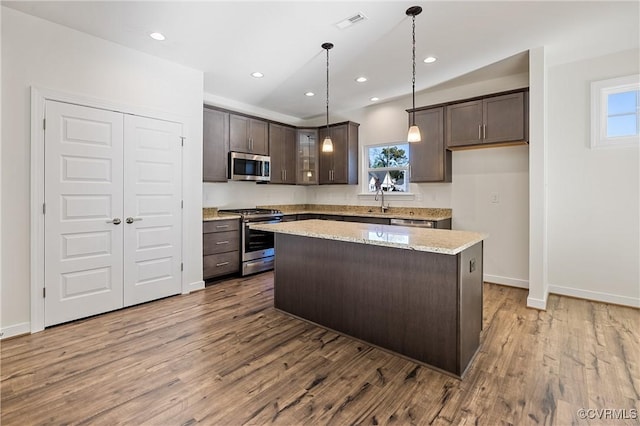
{"x":84,"y":206}
{"x":152,"y":206}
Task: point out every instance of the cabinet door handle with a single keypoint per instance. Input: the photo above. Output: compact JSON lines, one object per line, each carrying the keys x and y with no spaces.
{"x":479,"y":131}
{"x":221,"y":264}
{"x":484,"y":131}
{"x":222,"y":226}
{"x":221,"y":242}
{"x":285,"y":175}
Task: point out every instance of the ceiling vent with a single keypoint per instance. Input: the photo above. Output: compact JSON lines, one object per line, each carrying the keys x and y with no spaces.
{"x":345,"y":23}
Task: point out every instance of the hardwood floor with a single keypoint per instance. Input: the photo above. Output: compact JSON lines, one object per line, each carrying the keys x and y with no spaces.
{"x":225,"y":356}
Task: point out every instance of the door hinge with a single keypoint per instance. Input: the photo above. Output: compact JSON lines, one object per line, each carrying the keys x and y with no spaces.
{"x":44,"y":208}
{"x":182,"y":204}
{"x":183,"y":138}
{"x":44,"y":124}
{"x":181,"y":266}
{"x":44,"y":292}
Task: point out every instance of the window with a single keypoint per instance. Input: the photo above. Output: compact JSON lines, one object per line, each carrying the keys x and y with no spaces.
{"x":615,"y":112}
{"x":388,"y":167}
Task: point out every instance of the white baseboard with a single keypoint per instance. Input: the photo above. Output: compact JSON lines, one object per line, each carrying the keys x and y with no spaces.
{"x":194,"y":286}
{"x":540,"y":304}
{"x":595,"y":296}
{"x":512,"y":282}
{"x":15,"y":330}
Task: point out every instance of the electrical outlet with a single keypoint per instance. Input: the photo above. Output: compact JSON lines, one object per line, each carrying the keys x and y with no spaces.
{"x":494,"y":198}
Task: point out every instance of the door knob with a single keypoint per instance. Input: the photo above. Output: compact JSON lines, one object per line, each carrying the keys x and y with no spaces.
{"x":115,"y":221}
{"x":133,"y":219}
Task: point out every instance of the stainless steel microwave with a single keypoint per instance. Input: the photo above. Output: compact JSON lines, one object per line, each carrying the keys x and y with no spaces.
{"x":249,"y":167}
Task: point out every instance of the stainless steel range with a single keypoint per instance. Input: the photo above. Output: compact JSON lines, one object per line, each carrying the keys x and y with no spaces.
{"x":257,"y":247}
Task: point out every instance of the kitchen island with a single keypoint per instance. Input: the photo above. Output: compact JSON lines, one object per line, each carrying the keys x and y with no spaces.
{"x":414,"y":291}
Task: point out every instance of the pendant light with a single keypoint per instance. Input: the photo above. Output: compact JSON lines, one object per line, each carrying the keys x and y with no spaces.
{"x":414,"y":131}
{"x":327,"y":144}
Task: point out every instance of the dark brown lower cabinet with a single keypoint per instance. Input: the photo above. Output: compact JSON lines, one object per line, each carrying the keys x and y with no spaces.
{"x":425,"y":306}
{"x":220,"y":247}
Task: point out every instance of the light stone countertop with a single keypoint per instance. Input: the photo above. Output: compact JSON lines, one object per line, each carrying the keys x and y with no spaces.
{"x":422,"y":239}
{"x":211,"y":214}
{"x":420,"y":213}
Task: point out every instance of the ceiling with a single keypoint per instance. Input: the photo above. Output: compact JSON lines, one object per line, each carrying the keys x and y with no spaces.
{"x":229,"y":40}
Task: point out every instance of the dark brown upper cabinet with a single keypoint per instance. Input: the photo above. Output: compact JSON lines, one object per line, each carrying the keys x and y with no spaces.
{"x":215,"y":145}
{"x":430,"y":160}
{"x":248,"y":135}
{"x":341,"y":165}
{"x":283,"y":152}
{"x":490,"y":120}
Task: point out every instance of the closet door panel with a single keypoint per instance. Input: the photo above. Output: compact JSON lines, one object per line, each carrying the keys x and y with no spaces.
{"x":83,"y":220}
{"x":152,"y":206}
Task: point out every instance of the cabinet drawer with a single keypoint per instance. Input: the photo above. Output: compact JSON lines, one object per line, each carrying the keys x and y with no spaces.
{"x":221,"y":225}
{"x":220,"y":264}
{"x":220,"y":242}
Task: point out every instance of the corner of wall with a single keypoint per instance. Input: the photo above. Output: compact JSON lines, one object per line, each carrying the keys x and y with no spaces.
{"x":540,"y":304}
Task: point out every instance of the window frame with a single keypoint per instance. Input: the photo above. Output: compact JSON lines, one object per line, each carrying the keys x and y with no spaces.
{"x":600,"y":90}
{"x":366,"y":169}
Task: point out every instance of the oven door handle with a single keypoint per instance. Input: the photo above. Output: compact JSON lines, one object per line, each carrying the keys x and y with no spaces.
{"x":249,"y":222}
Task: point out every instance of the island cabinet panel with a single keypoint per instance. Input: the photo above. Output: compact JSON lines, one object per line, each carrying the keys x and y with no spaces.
{"x":215,"y":145}
{"x":248,"y":135}
{"x":430,"y":160}
{"x":402,"y":300}
{"x":282,"y":150}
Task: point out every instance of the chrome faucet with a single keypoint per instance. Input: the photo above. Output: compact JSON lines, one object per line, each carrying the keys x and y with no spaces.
{"x":383,"y":208}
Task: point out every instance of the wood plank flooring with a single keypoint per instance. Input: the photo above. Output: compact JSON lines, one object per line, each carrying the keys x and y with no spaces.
{"x":225,"y":356}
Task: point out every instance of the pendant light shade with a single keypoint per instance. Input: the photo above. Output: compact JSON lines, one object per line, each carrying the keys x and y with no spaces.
{"x":414,"y":131}
{"x":414,"y":134}
{"x":327,"y":143}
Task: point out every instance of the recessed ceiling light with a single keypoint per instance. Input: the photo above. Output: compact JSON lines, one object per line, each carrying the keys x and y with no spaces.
{"x":361,"y":79}
{"x":374,"y":99}
{"x":257,"y":74}
{"x":309,"y":94}
{"x":157,"y":36}
{"x":430,"y":59}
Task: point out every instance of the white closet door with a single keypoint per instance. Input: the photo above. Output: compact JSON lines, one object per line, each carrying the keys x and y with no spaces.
{"x":83,"y":196}
{"x":152,"y":206}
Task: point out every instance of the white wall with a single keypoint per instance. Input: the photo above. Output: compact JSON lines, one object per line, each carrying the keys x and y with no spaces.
{"x":40,"y":53}
{"x":594,"y":206}
{"x":538,"y":179}
{"x":1,"y":285}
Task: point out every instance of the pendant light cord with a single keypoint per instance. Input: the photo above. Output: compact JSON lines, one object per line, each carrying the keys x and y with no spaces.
{"x":327,"y":91}
{"x":413,"y":79}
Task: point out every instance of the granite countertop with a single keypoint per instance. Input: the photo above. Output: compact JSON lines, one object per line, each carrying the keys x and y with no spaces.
{"x":367,"y":211}
{"x":211,"y":213}
{"x":421,"y":239}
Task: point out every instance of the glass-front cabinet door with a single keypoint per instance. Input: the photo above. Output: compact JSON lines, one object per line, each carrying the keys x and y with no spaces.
{"x":307,"y":157}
